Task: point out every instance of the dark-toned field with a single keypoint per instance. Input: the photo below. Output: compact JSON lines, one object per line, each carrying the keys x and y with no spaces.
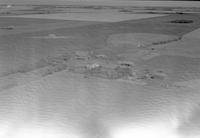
{"x":28,"y":53}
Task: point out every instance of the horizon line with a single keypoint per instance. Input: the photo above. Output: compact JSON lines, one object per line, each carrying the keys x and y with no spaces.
{"x":166,"y":3}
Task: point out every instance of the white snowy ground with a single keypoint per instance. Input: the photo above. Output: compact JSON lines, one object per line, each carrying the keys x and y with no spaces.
{"x":68,"y":105}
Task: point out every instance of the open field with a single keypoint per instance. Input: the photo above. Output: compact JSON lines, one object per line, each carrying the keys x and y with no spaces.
{"x":85,"y":37}
{"x":100,"y":78}
{"x":101,"y":17}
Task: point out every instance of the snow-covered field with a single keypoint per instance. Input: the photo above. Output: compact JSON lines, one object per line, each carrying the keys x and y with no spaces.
{"x":66,"y":104}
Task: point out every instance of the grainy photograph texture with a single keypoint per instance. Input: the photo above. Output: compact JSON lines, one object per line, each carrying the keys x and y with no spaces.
{"x":99,"y":69}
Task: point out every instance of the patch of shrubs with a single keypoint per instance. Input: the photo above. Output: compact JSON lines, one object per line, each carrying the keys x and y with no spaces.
{"x":182,"y":21}
{"x":166,"y":41}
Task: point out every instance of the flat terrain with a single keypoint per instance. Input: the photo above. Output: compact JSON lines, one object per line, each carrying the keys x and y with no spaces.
{"x":28,"y":52}
{"x":97,"y":77}
{"x":102,"y":17}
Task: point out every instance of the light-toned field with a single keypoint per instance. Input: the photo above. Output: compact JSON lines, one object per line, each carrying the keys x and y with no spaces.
{"x":25,"y":25}
{"x":101,"y":17}
{"x":193,"y":34}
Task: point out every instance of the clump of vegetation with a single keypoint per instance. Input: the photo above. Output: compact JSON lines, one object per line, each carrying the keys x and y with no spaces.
{"x":54,"y":61}
{"x":124,"y":72}
{"x":181,"y":21}
{"x":53,"y":69}
{"x":125,"y":10}
{"x":155,"y":75}
{"x":166,"y":41}
{"x":7,"y":28}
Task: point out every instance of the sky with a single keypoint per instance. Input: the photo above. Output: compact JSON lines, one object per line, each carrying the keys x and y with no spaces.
{"x":189,"y":3}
